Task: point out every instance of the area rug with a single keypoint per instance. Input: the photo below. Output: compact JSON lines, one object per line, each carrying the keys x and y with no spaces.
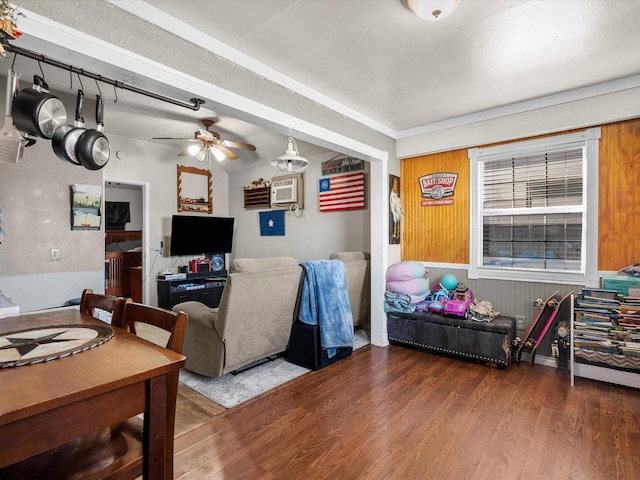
{"x":231,"y":390}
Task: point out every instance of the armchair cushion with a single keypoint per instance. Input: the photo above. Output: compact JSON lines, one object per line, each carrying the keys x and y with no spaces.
{"x":199,"y":313}
{"x":350,"y":256}
{"x":245,"y":265}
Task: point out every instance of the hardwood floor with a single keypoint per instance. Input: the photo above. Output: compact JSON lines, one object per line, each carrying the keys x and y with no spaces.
{"x":193,"y":410}
{"x":391,"y":413}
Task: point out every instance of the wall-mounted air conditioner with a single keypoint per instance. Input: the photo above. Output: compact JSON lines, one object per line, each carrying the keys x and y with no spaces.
{"x":284,"y":191}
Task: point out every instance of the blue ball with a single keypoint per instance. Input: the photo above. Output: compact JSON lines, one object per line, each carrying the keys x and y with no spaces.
{"x":448,"y":281}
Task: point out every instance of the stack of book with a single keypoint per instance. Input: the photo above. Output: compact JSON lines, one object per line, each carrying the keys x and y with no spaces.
{"x":607,"y":322}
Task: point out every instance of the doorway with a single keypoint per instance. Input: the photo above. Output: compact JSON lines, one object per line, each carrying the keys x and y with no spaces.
{"x":126,"y":244}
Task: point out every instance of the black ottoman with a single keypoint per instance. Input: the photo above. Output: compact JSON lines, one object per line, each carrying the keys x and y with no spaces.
{"x":487,"y":342}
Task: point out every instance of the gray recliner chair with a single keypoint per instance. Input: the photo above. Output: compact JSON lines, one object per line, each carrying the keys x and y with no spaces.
{"x":253,"y":320}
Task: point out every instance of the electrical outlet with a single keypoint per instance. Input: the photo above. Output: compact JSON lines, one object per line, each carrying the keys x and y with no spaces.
{"x":520,"y":321}
{"x":55,"y":254}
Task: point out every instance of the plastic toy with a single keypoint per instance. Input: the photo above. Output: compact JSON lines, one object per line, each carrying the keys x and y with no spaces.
{"x":482,"y":311}
{"x":448,"y":281}
{"x":438,"y":301}
{"x":459,"y":303}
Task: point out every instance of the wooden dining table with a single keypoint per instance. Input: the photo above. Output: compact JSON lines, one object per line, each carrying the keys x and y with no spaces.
{"x":44,"y":405}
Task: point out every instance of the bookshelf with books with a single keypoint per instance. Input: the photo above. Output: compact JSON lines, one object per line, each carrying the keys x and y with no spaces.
{"x":605,"y":335}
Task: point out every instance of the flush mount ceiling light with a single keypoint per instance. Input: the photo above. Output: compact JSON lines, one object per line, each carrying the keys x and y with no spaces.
{"x":432,"y":10}
{"x":290,"y":161}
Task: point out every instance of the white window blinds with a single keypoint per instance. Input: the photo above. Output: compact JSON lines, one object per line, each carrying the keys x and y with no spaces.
{"x":530,"y":209}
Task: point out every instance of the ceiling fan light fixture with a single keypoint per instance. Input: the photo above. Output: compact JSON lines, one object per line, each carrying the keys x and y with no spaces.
{"x":209,"y":145}
{"x":194,"y":150}
{"x":432,"y":10}
{"x":218,"y":154}
{"x":290,"y":160}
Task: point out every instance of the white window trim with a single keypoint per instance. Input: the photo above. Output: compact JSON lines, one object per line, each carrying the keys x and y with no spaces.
{"x":589,"y":277}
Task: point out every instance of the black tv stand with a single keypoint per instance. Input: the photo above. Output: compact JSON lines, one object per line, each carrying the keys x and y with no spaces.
{"x":204,"y":287}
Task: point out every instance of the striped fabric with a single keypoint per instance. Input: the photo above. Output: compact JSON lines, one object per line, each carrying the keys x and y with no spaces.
{"x":342,"y":192}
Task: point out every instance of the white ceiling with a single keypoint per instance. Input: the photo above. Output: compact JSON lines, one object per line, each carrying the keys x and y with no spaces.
{"x":376,"y":61}
{"x":378,"y":58}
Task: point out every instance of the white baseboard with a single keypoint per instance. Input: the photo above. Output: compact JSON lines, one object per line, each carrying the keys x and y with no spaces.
{"x":540,"y":360}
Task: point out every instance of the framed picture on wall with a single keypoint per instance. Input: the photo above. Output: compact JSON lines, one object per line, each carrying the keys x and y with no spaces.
{"x":194,"y":190}
{"x":395,"y":210}
{"x":85,"y":207}
{"x":272,"y":223}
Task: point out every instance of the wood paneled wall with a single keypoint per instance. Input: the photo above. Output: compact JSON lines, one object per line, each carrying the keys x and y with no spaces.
{"x":441,"y":233}
{"x":438,"y":233}
{"x":619,"y":196}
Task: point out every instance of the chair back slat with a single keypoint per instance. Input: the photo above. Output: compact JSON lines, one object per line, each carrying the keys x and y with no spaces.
{"x":109,"y":303}
{"x":172,"y":322}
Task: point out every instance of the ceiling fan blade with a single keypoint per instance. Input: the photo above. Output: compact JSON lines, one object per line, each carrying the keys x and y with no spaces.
{"x":174,"y":138}
{"x":230,"y":155}
{"x":210,"y":139}
{"x":246,"y":146}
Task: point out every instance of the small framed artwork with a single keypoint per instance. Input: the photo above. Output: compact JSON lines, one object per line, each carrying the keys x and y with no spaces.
{"x":85,"y":207}
{"x":395,"y":210}
{"x":272,"y":223}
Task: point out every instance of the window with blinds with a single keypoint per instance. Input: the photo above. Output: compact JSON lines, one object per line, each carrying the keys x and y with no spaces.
{"x":531,"y":210}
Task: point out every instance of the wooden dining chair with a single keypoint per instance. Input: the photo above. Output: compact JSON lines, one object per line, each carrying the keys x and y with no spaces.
{"x":91,"y":301}
{"x":176,"y":325}
{"x":115,"y":452}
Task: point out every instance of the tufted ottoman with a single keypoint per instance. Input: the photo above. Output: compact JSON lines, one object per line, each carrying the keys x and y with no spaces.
{"x":485,"y":342}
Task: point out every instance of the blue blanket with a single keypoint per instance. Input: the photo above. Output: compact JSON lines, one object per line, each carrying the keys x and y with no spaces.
{"x":398,"y":302}
{"x":325,"y":302}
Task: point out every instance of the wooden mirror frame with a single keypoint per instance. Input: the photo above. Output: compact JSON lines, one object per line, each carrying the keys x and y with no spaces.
{"x":197,"y":191}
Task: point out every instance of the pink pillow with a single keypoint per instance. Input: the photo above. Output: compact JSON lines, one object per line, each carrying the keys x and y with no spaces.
{"x":416,"y":286}
{"x":406,"y":270}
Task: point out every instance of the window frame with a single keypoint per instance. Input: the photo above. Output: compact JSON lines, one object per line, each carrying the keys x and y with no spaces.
{"x":588,"y":274}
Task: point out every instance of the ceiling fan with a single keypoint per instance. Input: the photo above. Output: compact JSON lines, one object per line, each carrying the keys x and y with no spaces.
{"x":211,"y":145}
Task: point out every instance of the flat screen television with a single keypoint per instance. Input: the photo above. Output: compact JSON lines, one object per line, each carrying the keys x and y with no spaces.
{"x":200,"y":235}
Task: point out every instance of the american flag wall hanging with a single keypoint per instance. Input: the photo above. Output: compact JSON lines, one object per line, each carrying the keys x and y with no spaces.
{"x":342,"y":192}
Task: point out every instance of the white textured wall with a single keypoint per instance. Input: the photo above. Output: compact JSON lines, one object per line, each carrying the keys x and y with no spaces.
{"x":156,"y":164}
{"x":313,"y":235}
{"x":35,"y":195}
{"x":582,"y":113}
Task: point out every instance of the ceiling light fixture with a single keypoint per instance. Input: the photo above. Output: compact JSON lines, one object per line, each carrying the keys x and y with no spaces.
{"x":194,"y":150}
{"x":432,"y":10}
{"x":218,"y":154}
{"x":204,"y":153}
{"x":290,"y":161}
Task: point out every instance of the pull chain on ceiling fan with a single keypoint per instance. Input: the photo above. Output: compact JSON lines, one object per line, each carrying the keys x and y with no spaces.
{"x":210,"y":144}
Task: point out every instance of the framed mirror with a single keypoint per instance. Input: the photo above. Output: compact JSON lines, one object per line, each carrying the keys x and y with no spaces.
{"x":194,"y":190}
